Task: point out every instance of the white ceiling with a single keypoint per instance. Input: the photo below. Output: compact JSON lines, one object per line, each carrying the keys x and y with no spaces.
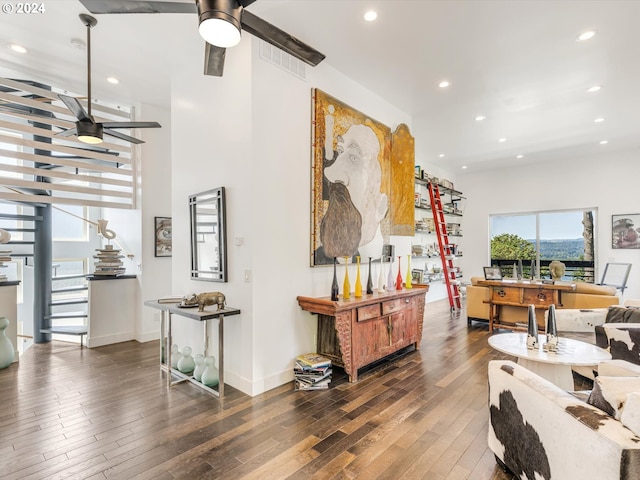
{"x":516,"y":62}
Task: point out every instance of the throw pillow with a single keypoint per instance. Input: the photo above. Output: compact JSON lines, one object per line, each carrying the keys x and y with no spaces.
{"x":610,"y":393}
{"x":622,"y":314}
{"x":630,"y":416}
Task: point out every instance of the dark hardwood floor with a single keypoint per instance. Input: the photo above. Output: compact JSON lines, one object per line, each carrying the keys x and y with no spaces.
{"x":105,"y":413}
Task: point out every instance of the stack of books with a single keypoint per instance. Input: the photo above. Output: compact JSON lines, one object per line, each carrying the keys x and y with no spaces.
{"x":312,"y":372}
{"x":5,"y":256}
{"x":109,"y":261}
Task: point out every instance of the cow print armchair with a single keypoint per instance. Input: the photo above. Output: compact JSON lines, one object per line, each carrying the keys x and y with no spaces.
{"x":539,"y":431}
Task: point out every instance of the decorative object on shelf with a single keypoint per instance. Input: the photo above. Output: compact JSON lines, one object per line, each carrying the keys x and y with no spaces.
{"x":334,"y":283}
{"x":108,"y":262}
{"x":514,"y":272}
{"x":186,"y":364}
{"x":7,"y":352}
{"x":200,"y":366}
{"x":557,"y":269}
{"x":399,"y":276}
{"x":211,"y":298}
{"x":390,"y":283}
{"x":408,"y":281}
{"x":163,"y":239}
{"x":175,"y":356}
{"x":346,"y":286}
{"x":358,"y":287}
{"x":210,"y":376}
{"x":532,"y":272}
{"x":552,"y":330}
{"x":104,"y":232}
{"x":532,"y":329}
{"x":520,"y":271}
{"x":369,"y":280}
{"x":381,"y":276}
{"x":417,"y":276}
{"x":5,"y":236}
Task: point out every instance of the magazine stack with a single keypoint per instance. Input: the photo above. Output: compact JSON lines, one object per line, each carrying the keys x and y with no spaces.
{"x":5,"y":256}
{"x":312,"y":372}
{"x":108,"y":261}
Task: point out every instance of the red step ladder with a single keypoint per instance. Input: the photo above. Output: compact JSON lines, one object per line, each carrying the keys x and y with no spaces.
{"x":446,"y":250}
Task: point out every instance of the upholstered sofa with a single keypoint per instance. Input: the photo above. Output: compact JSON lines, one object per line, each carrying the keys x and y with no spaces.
{"x":537,"y":430}
{"x":585,"y":296}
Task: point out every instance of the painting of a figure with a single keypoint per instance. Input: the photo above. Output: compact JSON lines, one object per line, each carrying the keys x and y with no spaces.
{"x":350,"y":182}
{"x":625,"y":231}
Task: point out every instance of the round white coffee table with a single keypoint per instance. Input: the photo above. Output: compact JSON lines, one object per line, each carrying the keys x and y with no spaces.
{"x":554,"y":366}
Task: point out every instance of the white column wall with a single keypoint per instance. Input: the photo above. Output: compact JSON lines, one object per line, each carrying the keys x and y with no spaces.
{"x":606,"y":182}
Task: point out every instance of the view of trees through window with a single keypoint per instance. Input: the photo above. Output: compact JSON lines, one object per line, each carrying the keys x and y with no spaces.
{"x":566,"y":236}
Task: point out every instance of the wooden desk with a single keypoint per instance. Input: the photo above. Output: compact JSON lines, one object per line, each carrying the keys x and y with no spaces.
{"x":358,"y":331}
{"x":522,"y":294}
{"x":169,"y":309}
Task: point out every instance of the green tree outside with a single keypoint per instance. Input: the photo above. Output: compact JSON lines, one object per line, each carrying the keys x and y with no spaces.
{"x":508,"y":246}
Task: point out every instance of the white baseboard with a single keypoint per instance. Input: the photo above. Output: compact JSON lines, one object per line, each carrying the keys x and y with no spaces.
{"x":109,"y":339}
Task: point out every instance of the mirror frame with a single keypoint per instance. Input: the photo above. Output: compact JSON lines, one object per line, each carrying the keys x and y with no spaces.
{"x":217,"y":196}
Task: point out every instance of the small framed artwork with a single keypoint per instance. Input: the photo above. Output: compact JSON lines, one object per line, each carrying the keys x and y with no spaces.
{"x":625,"y":231}
{"x":163,"y":236}
{"x":492,"y":273}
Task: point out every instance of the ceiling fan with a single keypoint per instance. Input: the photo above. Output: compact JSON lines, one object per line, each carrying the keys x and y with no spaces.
{"x":220,"y":24}
{"x":87,"y":129}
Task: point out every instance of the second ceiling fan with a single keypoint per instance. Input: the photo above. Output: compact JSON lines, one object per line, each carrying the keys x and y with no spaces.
{"x":87,"y":129}
{"x":220,"y":24}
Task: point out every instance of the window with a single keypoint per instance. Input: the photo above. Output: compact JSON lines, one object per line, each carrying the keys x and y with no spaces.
{"x":68,"y":224}
{"x":567,"y":236}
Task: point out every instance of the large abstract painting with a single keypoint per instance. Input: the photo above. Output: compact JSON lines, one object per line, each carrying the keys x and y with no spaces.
{"x":351,"y":182}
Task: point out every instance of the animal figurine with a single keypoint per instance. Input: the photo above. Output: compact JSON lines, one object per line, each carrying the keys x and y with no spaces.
{"x":211,"y":298}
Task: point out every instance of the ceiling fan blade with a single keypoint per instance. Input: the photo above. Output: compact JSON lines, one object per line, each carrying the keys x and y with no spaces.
{"x":122,"y":136}
{"x":76,"y":108}
{"x":68,"y":132}
{"x":214,"y":60}
{"x":131,"y":125}
{"x":131,"y":6}
{"x":273,"y":35}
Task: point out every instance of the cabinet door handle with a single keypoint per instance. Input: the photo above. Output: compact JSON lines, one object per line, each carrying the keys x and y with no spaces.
{"x":501,"y":293}
{"x":406,"y":300}
{"x":390,"y":329}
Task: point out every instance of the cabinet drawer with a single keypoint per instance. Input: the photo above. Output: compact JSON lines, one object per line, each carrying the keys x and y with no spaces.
{"x":368,"y":312}
{"x":506,"y":295}
{"x":536,"y":296}
{"x":393,"y":306}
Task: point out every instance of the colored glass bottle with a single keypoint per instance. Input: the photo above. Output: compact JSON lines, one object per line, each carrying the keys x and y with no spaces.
{"x":369,"y":280}
{"x":408,"y":281}
{"x":346,"y":287}
{"x":186,"y":364}
{"x":210,"y":376}
{"x":399,"y":276}
{"x":358,"y":287}
{"x":334,"y":284}
{"x":390,"y":283}
{"x":381,"y":276}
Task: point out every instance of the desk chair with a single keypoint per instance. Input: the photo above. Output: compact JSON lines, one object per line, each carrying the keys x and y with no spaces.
{"x":616,"y":275}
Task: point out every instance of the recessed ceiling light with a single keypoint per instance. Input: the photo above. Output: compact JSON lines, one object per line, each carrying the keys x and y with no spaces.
{"x":604,"y":142}
{"x":586,"y":35}
{"x":113,"y":80}
{"x":444,"y":84}
{"x":371,"y":15}
{"x":502,"y":140}
{"x":441,"y":155}
{"x":519,"y":156}
{"x":480,"y":118}
{"x":18,"y":48}
{"x":464,"y":167}
{"x":595,"y":88}
{"x":599,"y":120}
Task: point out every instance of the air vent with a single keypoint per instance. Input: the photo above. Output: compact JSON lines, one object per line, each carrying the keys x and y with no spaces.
{"x":282,"y":59}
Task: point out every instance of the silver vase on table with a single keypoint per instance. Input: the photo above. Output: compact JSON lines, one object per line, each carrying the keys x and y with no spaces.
{"x":552,"y":330}
{"x":532,"y":329}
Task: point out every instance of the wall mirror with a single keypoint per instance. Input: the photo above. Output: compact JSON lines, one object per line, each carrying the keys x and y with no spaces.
{"x":208,"y":236}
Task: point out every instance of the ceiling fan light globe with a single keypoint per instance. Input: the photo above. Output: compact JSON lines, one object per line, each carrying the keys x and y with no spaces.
{"x":90,"y":133}
{"x":219,"y":32}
